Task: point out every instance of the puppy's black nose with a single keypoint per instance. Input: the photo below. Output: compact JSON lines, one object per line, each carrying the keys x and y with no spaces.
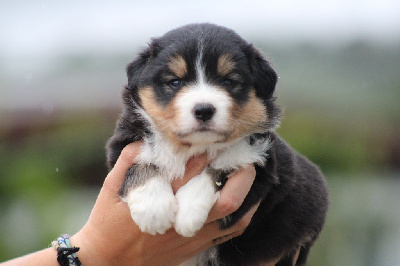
{"x":204,"y":111}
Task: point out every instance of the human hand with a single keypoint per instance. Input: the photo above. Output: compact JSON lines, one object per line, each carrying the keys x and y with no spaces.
{"x":111,"y":237}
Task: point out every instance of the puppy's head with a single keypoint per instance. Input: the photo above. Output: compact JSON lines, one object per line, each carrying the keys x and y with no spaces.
{"x":202,"y":84}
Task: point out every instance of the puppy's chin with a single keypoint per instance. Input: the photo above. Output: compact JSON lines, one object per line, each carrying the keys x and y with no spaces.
{"x":205,"y":137}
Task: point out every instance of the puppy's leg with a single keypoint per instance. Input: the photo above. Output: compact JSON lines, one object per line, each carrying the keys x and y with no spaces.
{"x":195,"y":200}
{"x":153,"y":205}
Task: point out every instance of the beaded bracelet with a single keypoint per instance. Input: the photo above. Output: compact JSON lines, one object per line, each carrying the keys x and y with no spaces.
{"x":65,"y":252}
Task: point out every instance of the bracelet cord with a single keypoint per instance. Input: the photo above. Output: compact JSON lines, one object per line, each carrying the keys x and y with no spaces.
{"x":65,"y":252}
{"x":64,"y":256}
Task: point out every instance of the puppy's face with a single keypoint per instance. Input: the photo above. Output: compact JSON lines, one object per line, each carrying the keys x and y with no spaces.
{"x":201,"y":84}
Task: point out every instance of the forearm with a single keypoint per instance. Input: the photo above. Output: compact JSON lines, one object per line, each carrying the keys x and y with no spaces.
{"x":45,"y":257}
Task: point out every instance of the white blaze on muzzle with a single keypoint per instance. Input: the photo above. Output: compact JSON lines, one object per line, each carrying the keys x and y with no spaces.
{"x":189,"y":101}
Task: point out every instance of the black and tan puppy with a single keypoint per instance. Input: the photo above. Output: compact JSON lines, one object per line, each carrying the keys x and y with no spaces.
{"x":202,"y":89}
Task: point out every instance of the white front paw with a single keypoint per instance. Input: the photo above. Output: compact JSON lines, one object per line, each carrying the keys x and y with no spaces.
{"x":153,"y":206}
{"x":195,"y":200}
{"x":189,"y":222}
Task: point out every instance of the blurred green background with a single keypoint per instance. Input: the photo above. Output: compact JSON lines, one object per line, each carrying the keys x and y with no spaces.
{"x":62,"y":70}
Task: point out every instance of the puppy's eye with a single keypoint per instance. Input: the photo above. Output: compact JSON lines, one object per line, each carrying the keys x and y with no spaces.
{"x":227,"y":83}
{"x":176,"y":83}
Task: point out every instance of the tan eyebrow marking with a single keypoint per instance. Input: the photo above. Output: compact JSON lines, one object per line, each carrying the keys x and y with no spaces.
{"x":225,"y":64}
{"x":178,"y":66}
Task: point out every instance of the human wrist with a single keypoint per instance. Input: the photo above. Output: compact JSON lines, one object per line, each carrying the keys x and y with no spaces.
{"x":66,"y":253}
{"x":88,"y":253}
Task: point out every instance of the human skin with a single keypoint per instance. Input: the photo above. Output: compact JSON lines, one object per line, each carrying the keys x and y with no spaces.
{"x":110,"y":236}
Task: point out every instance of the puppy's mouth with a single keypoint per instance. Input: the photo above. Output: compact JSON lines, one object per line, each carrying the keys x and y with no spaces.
{"x":204,"y":128}
{"x":203,"y":133}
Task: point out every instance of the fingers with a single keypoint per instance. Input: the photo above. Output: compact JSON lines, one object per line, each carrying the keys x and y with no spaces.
{"x":125,"y":161}
{"x":194,"y":167}
{"x":213,"y":229}
{"x":233,"y":193}
{"x":211,"y":235}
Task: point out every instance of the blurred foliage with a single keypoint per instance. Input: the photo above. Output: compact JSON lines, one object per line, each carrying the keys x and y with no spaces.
{"x":335,"y":146}
{"x":40,"y":160}
{"x":362,"y":226}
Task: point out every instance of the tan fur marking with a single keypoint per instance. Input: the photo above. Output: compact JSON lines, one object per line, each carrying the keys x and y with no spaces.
{"x":149,"y":103}
{"x":247,"y":119}
{"x":225,"y":64}
{"x":163,"y":118}
{"x":178,"y":66}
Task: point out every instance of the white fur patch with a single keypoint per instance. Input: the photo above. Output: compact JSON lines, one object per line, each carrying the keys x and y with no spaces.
{"x":195,"y":200}
{"x":157,"y":150}
{"x":160,"y":152}
{"x":153,"y":206}
{"x":171,"y":161}
{"x":241,"y":154}
{"x":203,"y":93}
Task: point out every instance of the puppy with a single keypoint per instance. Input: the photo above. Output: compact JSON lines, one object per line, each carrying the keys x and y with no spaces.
{"x":202,"y":89}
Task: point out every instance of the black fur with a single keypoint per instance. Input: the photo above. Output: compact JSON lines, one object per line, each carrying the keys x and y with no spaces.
{"x":292,"y":190}
{"x":291,"y":213}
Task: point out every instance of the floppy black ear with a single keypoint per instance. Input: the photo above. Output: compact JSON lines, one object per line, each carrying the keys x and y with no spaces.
{"x":135,"y":68}
{"x":265,"y":77}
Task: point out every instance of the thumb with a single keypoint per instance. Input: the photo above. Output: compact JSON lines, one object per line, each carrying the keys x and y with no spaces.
{"x":125,"y":161}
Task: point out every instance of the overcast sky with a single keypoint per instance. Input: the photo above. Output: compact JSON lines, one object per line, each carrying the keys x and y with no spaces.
{"x":46,"y":27}
{"x":32,"y":32}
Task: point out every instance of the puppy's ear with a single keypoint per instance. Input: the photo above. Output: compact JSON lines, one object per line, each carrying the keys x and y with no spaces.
{"x":265,"y":78}
{"x":135,"y":68}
